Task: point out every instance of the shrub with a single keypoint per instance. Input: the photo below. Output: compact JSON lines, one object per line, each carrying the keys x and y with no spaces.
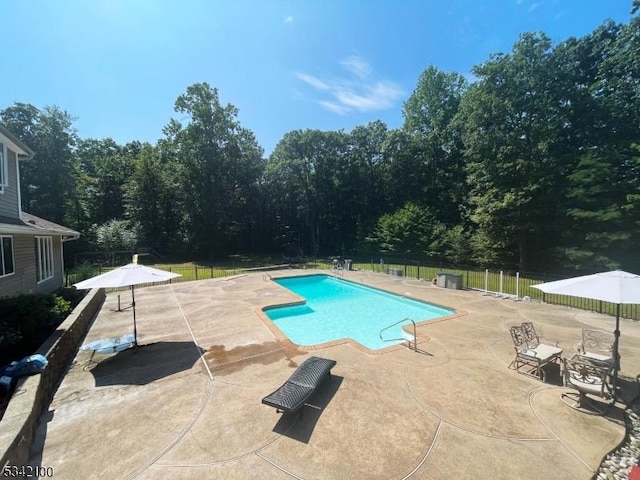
{"x":27,"y":320}
{"x":71,"y":295}
{"x":83,"y":271}
{"x":61,"y":307}
{"x":117,"y":235}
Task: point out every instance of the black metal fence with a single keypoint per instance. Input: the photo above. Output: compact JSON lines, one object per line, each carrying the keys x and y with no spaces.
{"x":187,"y":272}
{"x":506,"y":284}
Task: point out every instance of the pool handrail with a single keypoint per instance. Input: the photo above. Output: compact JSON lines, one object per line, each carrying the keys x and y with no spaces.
{"x":415,"y":334}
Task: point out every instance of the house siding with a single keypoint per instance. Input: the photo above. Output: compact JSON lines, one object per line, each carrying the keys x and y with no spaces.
{"x":9,"y":199}
{"x":24,"y":280}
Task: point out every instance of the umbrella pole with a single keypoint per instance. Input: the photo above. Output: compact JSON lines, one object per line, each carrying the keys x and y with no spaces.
{"x":616,"y":355}
{"x":135,"y":329}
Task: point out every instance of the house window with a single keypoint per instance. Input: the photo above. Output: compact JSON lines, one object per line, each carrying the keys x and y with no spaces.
{"x":44,"y":258}
{"x":7,"y":265}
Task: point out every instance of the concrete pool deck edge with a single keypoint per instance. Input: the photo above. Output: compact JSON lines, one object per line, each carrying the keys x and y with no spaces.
{"x":454,"y":411}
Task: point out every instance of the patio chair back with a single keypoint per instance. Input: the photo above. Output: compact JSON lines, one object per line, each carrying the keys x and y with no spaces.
{"x":596,"y":340}
{"x":530,"y":334}
{"x":518,"y":337}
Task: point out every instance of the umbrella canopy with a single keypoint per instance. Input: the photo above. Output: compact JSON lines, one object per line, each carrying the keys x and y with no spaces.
{"x":616,"y":287}
{"x":128,"y":276}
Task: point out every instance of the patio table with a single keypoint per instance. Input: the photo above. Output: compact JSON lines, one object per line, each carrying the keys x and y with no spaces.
{"x":106,"y":346}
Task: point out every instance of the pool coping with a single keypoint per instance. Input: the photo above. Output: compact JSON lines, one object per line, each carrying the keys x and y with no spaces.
{"x":284,"y":339}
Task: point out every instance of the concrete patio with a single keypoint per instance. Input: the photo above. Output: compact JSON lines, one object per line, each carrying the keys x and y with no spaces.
{"x":187,"y":404}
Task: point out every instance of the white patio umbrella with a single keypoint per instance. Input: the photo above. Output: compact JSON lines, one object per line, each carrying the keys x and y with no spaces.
{"x":128,"y":276}
{"x":614,"y":287}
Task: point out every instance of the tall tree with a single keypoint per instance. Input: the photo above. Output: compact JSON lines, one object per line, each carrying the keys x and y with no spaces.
{"x":510,"y":121}
{"x":220,"y":162}
{"x":21,"y":119}
{"x":47,"y":180}
{"x":304,"y":174}
{"x":104,"y":170}
{"x":362,"y":189}
{"x":618,"y":82}
{"x":405,"y":178}
{"x":410,"y":231}
{"x":144,"y":196}
{"x":428,"y":120}
{"x":604,"y":225}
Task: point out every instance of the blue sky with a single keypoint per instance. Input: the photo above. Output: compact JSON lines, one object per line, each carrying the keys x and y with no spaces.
{"x":118,"y":65}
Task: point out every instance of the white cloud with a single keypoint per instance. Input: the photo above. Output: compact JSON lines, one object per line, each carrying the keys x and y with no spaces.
{"x":378,"y":96}
{"x":359,"y":92}
{"x":313,"y":81}
{"x":334,"y":107}
{"x":357,"y":66}
{"x":288,"y":19}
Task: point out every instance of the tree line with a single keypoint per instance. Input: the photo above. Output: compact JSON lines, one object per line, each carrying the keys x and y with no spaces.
{"x":534,"y":164}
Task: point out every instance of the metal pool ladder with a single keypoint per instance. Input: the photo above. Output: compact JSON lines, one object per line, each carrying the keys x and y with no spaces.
{"x":415,"y":334}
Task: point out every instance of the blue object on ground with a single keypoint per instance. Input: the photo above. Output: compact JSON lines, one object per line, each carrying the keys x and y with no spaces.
{"x":30,"y":365}
{"x":5,"y":384}
{"x":27,"y":366}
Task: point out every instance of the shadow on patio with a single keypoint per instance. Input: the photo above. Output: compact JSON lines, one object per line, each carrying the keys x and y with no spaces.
{"x":146,"y":364}
{"x":299,"y":426}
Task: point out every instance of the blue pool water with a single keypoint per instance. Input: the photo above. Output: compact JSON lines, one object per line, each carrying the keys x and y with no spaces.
{"x":337,"y":309}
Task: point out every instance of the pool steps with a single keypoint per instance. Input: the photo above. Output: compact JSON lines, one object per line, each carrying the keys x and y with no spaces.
{"x":405,"y":335}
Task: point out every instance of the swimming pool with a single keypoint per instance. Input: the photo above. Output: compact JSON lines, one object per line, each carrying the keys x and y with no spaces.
{"x":337,"y":309}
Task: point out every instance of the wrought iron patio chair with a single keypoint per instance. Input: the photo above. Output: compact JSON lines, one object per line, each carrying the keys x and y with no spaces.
{"x":588,"y":379}
{"x":597,"y":346}
{"x":531,"y":355}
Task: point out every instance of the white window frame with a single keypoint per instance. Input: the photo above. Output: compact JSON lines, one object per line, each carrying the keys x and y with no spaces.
{"x":44,"y":258}
{"x":4,"y":167}
{"x":13,"y":257}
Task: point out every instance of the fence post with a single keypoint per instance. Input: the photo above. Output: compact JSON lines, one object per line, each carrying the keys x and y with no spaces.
{"x":418,"y":262}
{"x":500,"y":282}
{"x":517,"y":285}
{"x":210,"y":271}
{"x":196,"y":267}
{"x":405,"y":268}
{"x":170,"y":279}
{"x":486,"y":281}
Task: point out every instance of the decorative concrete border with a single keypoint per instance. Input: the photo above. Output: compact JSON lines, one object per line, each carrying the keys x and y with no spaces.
{"x":282,"y":338}
{"x":20,"y":421}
